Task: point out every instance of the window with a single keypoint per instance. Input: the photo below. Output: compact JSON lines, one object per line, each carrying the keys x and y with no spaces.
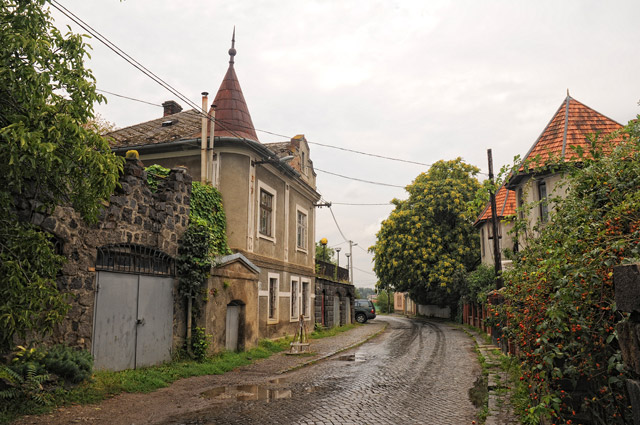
{"x":482,"y":242}
{"x":301,"y":238}
{"x":520,"y":197}
{"x":305,"y":298}
{"x":273,"y":298}
{"x":266,"y":213}
{"x":295,"y":295}
{"x":544,"y":207}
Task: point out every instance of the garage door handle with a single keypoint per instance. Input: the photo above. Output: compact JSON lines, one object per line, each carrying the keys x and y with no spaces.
{"x":140,"y":322}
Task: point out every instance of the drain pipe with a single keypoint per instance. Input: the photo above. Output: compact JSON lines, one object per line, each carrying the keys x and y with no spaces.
{"x":203,"y":139}
{"x":189,"y":307}
{"x":212,"y":122}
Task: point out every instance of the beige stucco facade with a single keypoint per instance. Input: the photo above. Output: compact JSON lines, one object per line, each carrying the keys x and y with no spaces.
{"x":241,"y":174}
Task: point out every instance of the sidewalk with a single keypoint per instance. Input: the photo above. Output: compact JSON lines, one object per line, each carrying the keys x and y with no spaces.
{"x":320,"y":349}
{"x":500,"y":409}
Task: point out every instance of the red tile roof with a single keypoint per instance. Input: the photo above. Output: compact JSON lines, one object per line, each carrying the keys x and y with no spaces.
{"x":505,"y":205}
{"x":232,"y":114}
{"x":569,"y":128}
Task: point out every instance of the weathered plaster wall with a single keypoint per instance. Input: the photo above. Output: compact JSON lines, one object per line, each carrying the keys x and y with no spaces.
{"x":233,"y":282}
{"x":134,"y":215}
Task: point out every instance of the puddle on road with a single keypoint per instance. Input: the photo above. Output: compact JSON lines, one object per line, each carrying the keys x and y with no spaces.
{"x":478,"y":393}
{"x":357,"y":357}
{"x":246,"y":393}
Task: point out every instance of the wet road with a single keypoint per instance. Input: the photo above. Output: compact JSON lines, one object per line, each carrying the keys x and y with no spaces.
{"x":414,"y":373}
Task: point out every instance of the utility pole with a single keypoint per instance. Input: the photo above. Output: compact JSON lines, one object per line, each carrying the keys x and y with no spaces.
{"x":494,"y":225}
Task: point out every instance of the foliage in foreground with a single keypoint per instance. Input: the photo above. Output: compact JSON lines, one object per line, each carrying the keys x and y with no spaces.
{"x":49,"y":156}
{"x":107,"y":384}
{"x":560,"y":309}
{"x":429,"y":238}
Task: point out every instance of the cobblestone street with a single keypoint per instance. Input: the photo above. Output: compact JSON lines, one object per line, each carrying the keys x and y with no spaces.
{"x":414,"y":373}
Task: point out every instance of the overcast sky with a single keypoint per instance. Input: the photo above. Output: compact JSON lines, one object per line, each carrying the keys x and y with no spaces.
{"x":418,"y":80}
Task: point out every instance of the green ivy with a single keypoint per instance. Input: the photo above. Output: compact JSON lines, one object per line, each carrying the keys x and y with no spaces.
{"x":155,"y":173}
{"x":204,"y":239}
{"x":200,"y":342}
{"x":206,"y":204}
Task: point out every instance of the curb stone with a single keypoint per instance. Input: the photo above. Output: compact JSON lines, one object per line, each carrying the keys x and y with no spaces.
{"x":500,"y":411}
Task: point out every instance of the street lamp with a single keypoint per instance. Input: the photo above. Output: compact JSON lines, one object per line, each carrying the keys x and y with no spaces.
{"x":348,"y":272}
{"x":338,"y":262}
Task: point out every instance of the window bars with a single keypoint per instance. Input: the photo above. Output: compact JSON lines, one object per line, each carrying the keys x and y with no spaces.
{"x":133,"y":258}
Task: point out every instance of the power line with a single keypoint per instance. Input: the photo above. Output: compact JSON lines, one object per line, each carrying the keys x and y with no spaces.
{"x":130,"y":98}
{"x":358,"y":204}
{"x":111,"y":46}
{"x":337,"y":225}
{"x":364,"y":271}
{"x":356,"y":179}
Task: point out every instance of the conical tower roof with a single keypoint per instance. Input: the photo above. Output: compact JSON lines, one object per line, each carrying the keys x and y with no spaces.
{"x":569,"y":128}
{"x":232,"y":114}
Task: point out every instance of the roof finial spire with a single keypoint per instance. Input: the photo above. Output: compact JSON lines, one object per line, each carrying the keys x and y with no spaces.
{"x":568,"y":95}
{"x":232,"y":50}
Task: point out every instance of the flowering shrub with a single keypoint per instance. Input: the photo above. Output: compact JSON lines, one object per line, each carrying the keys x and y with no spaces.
{"x":559,"y":305}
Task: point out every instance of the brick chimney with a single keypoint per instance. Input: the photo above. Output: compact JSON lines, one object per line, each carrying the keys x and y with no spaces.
{"x":171,"y":107}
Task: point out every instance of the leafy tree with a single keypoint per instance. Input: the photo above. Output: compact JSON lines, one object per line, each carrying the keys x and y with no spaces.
{"x":559,"y":304}
{"x":324,"y":253}
{"x":48,"y":156}
{"x":384,"y":301}
{"x":429,"y":237}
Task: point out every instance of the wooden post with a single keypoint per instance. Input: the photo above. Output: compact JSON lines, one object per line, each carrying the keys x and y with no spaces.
{"x":494,"y":224}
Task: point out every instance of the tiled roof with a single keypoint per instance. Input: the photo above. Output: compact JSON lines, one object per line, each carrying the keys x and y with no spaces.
{"x":505,"y":205}
{"x":569,"y":128}
{"x":232,"y":114}
{"x":180,"y":126}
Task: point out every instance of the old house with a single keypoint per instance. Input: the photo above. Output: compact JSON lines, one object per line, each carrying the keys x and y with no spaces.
{"x":568,"y":131}
{"x":269,"y":196}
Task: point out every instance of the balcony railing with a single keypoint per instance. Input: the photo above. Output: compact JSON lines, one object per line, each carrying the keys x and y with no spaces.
{"x":328,"y":270}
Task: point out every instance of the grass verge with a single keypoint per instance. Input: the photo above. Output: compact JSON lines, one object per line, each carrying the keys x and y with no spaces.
{"x":106,"y":384}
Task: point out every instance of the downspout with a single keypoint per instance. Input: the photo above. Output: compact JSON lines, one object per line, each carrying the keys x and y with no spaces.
{"x":212,"y":122}
{"x":204,"y":168}
{"x":189,"y":307}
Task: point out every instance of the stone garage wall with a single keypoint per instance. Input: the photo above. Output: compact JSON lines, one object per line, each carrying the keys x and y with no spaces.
{"x":134,"y":215}
{"x":328,"y":289}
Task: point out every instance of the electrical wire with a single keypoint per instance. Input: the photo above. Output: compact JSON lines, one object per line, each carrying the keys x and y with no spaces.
{"x":357,"y":204}
{"x":356,"y":179}
{"x":111,"y":46}
{"x":129,"y":98}
{"x":337,"y":225}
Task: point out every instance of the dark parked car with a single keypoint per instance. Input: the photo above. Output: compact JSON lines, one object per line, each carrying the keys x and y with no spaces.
{"x":364,"y":310}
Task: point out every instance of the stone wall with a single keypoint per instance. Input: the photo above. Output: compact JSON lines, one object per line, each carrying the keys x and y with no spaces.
{"x":327,"y":290}
{"x":627,"y":293}
{"x":134,"y":215}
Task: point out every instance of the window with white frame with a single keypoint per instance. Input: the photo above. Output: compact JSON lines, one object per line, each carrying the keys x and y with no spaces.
{"x":306,"y":298}
{"x":272,"y":307}
{"x":295,"y":298}
{"x":301,"y":229}
{"x":266,"y":212}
